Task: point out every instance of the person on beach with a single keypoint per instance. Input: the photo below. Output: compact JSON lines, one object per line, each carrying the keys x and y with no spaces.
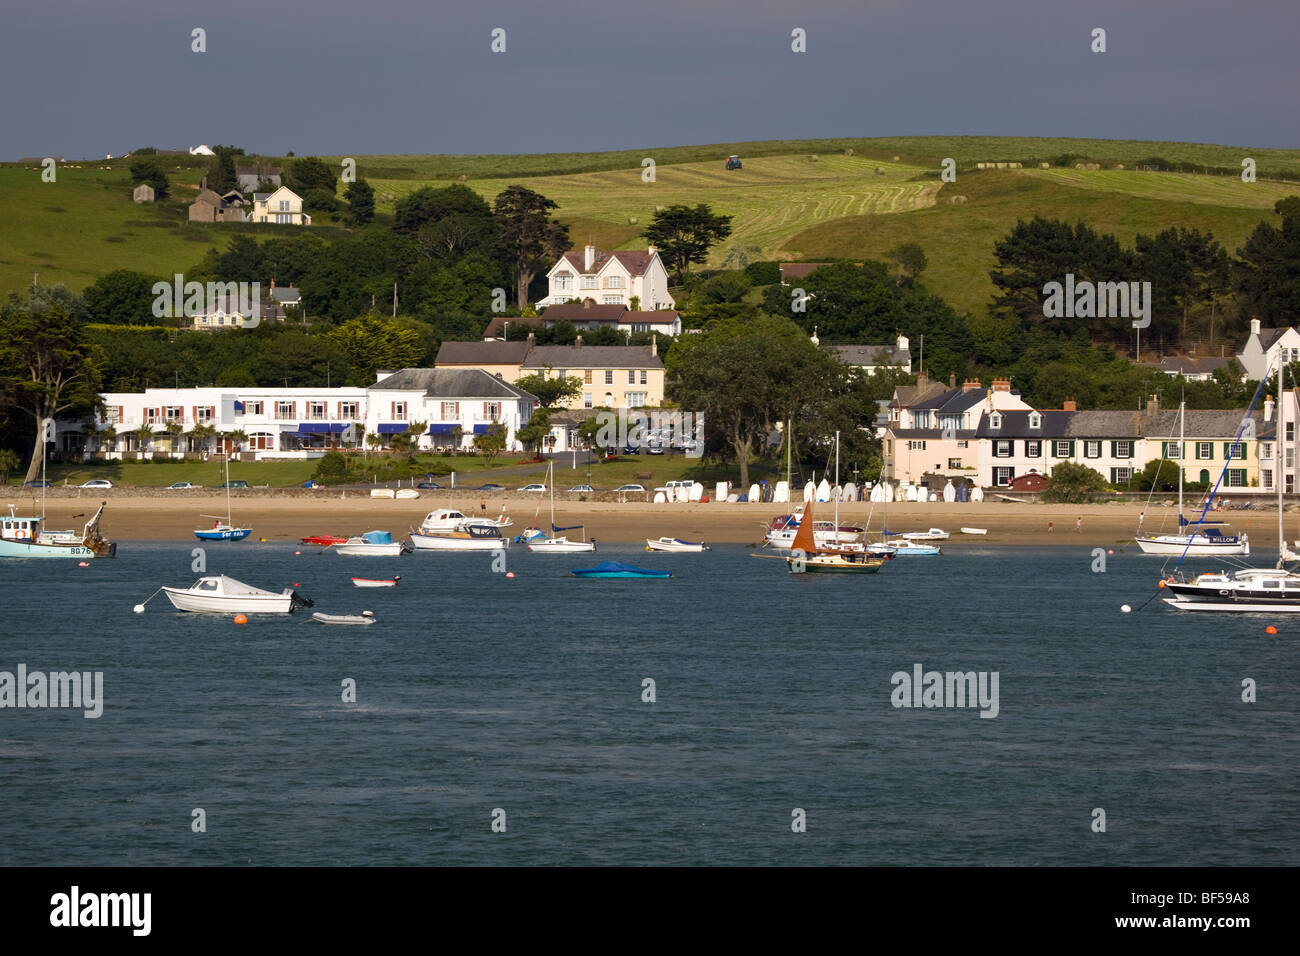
{"x":1141,"y":517}
{"x":1049,"y":527}
{"x":482,"y":504}
{"x":1078,"y":525}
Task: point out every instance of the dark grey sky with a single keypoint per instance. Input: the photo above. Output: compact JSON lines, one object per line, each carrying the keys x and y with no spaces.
{"x":91,"y":77}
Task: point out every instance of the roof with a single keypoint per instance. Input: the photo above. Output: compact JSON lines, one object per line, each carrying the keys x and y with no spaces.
{"x":451,"y":383}
{"x":635,"y":261}
{"x":1187,"y":364}
{"x":907,"y":395}
{"x":1103,"y":423}
{"x":496,"y":329}
{"x":586,"y":311}
{"x":286,"y":293}
{"x":1015,"y":424}
{"x":871,"y":354}
{"x":481,"y":353}
{"x":799,"y":270}
{"x":1268,"y":337}
{"x":210,"y":198}
{"x":592,"y":356}
{"x":1216,"y":423}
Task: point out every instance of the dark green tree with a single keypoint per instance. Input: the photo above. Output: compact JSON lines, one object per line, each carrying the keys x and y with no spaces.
{"x":147,"y":169}
{"x":684,"y":234}
{"x":530,"y":239}
{"x":551,"y":390}
{"x":361,"y":202}
{"x":307,"y":173}
{"x":121,"y":297}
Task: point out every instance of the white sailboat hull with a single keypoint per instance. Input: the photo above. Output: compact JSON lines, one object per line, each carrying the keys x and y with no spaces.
{"x":560,"y":546}
{"x":451,"y":541}
{"x":1193,"y":545}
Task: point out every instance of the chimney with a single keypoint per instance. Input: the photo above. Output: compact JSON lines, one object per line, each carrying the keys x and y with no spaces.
{"x":952,"y":380}
{"x":1070,"y":405}
{"x":654,"y":345}
{"x":1001,"y":385}
{"x":577,"y":343}
{"x":970,"y":384}
{"x":922,"y":380}
{"x":1153,"y":405}
{"x":902,"y":343}
{"x":1268,"y":408}
{"x":651,"y":249}
{"x":1254,"y":325}
{"x":588,"y":257}
{"x":532,"y":341}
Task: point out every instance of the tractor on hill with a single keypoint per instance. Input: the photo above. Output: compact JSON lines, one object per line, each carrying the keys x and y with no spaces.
{"x":733,"y":162}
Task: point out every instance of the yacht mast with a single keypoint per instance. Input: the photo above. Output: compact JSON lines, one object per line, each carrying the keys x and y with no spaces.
{"x":1280,"y":479}
{"x":1182,"y":422}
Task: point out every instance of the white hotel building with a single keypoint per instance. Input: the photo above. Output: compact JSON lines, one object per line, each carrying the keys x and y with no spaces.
{"x":304,"y":422}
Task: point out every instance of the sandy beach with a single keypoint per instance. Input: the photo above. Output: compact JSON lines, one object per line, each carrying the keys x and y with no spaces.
{"x":276,"y":516}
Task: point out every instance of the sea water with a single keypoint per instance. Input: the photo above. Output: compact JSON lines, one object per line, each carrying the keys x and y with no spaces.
{"x":733,"y":714}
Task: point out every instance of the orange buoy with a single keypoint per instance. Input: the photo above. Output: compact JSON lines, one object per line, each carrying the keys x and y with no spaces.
{"x":510,"y":574}
{"x":241,"y":619}
{"x":1163,"y":583}
{"x":1270,"y":629}
{"x":297,"y":552}
{"x":83,"y":564}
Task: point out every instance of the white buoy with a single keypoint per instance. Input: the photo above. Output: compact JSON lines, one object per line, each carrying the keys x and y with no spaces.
{"x":1125,"y":609}
{"x":139,"y":609}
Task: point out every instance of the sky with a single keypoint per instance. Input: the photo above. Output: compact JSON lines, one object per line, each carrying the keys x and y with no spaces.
{"x":89,"y":78}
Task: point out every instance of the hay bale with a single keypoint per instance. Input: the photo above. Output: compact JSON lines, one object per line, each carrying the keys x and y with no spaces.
{"x":631,"y":220}
{"x":895,"y":159}
{"x":956,"y":200}
{"x":849,"y":151}
{"x":1044,"y":165}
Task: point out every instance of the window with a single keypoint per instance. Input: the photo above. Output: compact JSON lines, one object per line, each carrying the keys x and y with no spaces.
{"x":316,"y":411}
{"x":1172,"y":450}
{"x":613,"y":282}
{"x":175,"y":413}
{"x":609,"y":376}
{"x":1290,"y":458}
{"x":1290,"y":431}
{"x":284,"y":218}
{"x":450,"y":411}
{"x":954,"y":462}
{"x":399,"y":411}
{"x":1266,"y":477}
{"x":1205,"y":449}
{"x":1229,"y":453}
{"x":643,"y":374}
{"x":1063,"y":449}
{"x":995,"y":420}
{"x":609,"y":399}
{"x":635,"y":399}
{"x":1092,"y":449}
{"x":1266,"y":450}
{"x":203,"y":414}
{"x":1002,"y":476}
{"x":963,"y":444}
{"x":589,"y":282}
{"x":1236,"y":477}
{"x":348,"y":411}
{"x":564,"y":280}
{"x":916,"y":446}
{"x":492,"y":411}
{"x":1121,"y":476}
{"x":1035,"y":420}
{"x":562,"y":373}
{"x":1122,"y":449}
{"x":1033,"y":448}
{"x":586,"y":399}
{"x":284,"y":410}
{"x":253,"y":408}
{"x":1002,"y":449}
{"x":613,"y":300}
{"x":631,"y":376}
{"x":114,"y":416}
{"x":586,"y":376}
{"x":284,"y":205}
{"x":920,"y":419}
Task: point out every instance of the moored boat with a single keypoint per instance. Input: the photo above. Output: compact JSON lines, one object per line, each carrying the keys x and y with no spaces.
{"x":21,"y":536}
{"x":553,"y":543}
{"x":377,"y":544}
{"x":934,"y":534}
{"x":616,"y":569}
{"x":675,"y":544}
{"x":218,"y":593}
{"x":450,"y":519}
{"x":466,"y":537}
{"x":974,"y":531}
{"x":376,"y":582}
{"x":325,"y":540}
{"x":365,"y":617}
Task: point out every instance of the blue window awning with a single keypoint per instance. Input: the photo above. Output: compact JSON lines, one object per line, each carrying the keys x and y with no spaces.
{"x":322,"y":428}
{"x":480,"y":429}
{"x":389,"y":428}
{"x":443,"y":428}
{"x":239,"y":406}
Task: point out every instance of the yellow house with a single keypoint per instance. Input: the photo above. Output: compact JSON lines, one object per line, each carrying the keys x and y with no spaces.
{"x":612,"y":376}
{"x":282,"y":206}
{"x":1210,"y":440}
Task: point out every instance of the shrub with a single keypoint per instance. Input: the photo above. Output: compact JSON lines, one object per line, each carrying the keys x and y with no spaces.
{"x":1071,"y":483}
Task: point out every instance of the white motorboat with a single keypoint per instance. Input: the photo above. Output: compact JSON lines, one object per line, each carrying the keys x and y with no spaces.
{"x":675,"y":544}
{"x":449,"y":519}
{"x":218,"y":593}
{"x":375,"y":544}
{"x":466,"y":537}
{"x":974,"y":531}
{"x":365,"y":617}
{"x":376,"y":582}
{"x":934,"y":534}
{"x":903,"y":546}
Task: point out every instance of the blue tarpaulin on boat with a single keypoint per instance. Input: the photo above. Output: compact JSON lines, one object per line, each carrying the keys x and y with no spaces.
{"x":378,"y":537}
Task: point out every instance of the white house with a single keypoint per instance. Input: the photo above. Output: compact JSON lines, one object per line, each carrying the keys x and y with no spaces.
{"x":610,"y":278}
{"x":869,"y":359}
{"x":282,"y":206}
{"x":1263,"y":346}
{"x":447,"y":399}
{"x":202,"y":150}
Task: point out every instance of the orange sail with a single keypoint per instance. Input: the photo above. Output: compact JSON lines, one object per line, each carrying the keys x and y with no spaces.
{"x":803,"y":536}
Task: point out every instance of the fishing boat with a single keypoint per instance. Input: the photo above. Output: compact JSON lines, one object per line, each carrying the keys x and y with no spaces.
{"x":223,"y":530}
{"x":376,"y":582}
{"x":553,"y":543}
{"x":218,"y":593}
{"x":614,"y":569}
{"x":365,"y":617}
{"x":374,"y":544}
{"x":324,"y":540}
{"x":674,"y":544}
{"x":449,"y":519}
{"x":1200,"y":543}
{"x":1246,"y":590}
{"x":465,"y":537}
{"x":21,"y":536}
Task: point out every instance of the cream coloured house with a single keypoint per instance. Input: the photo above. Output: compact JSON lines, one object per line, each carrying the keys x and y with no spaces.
{"x":282,"y":206}
{"x":610,"y":278}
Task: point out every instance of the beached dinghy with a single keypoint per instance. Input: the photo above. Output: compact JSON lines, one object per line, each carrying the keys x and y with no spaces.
{"x":974,"y":531}
{"x":365,"y":617}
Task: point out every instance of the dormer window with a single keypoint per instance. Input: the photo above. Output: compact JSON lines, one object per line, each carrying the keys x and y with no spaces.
{"x":1035,"y":420}
{"x":995,"y":420}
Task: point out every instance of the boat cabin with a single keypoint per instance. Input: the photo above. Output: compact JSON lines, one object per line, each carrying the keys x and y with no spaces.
{"x":15,"y":528}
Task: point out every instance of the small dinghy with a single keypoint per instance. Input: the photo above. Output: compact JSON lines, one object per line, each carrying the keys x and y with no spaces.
{"x":373,"y":544}
{"x":365,"y":617}
{"x":615,"y":569}
{"x":376,"y":582}
{"x":974,"y":531}
{"x":674,"y":544}
{"x":324,"y":540}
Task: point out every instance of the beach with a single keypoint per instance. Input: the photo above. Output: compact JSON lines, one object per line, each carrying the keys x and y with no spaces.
{"x":132,"y":515}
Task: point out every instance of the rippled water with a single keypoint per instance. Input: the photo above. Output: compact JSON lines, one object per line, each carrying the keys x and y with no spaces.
{"x":478,"y":692}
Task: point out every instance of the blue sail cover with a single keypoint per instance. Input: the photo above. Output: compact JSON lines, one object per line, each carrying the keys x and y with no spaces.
{"x":572,"y":527}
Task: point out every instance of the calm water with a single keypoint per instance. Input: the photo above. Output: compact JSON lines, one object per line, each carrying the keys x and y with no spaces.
{"x":773,"y":691}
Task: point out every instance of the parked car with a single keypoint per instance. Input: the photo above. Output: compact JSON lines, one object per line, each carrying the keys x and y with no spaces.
{"x":37,"y":483}
{"x":180,"y":486}
{"x":237,"y":483}
{"x":428,"y":485}
{"x":537,"y":487}
{"x":583,"y":489}
{"x":630,"y":488}
{"x":490,"y":487}
{"x":97,"y":483}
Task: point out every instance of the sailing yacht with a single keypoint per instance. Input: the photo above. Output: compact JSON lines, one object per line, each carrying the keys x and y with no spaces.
{"x":223,"y":531}
{"x":551,"y":543}
{"x":1248,"y":590}
{"x":806,"y":555}
{"x":1198,"y":543}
